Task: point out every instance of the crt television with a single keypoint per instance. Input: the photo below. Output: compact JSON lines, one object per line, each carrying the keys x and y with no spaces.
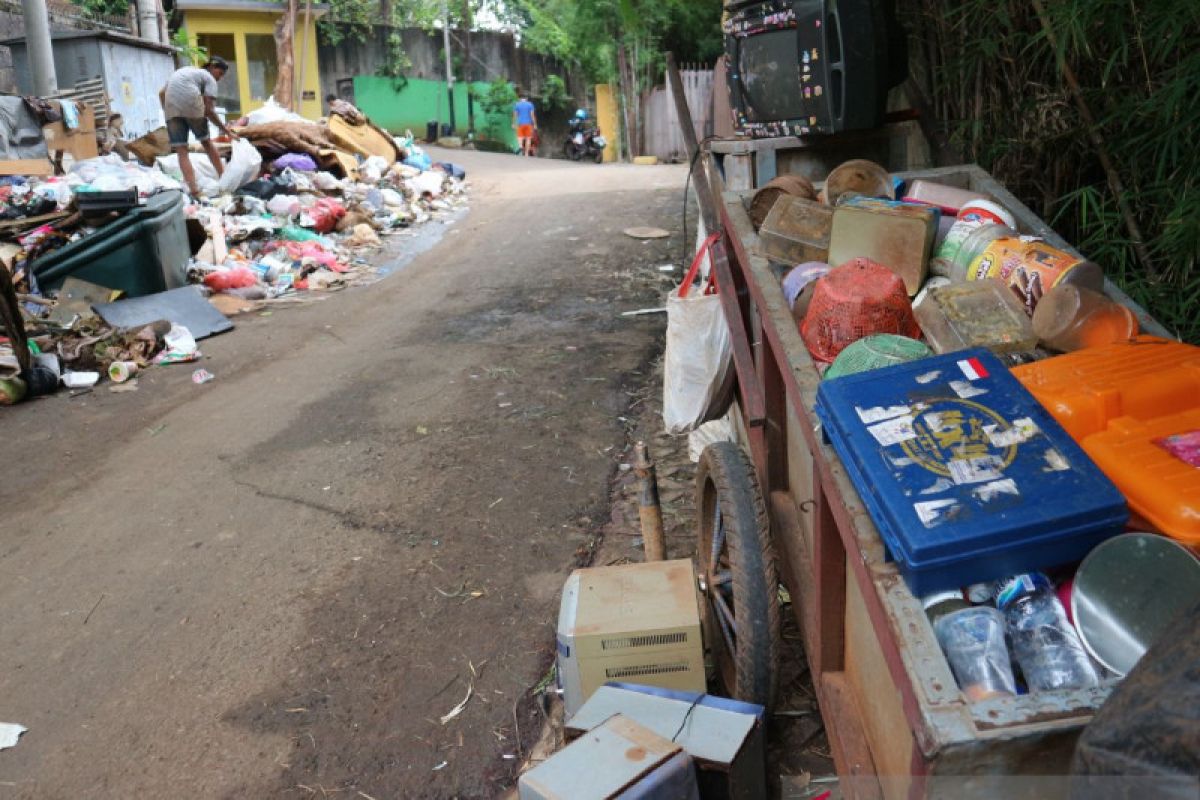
{"x":805,"y":67}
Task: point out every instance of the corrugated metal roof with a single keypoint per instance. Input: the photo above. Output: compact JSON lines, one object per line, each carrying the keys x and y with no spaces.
{"x":111,"y":36}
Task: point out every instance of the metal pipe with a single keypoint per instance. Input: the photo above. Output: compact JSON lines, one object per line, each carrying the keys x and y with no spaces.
{"x":649,"y":509}
{"x":41,"y":54}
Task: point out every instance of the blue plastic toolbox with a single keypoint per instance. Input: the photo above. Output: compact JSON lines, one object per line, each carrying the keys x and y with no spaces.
{"x":967,"y":477}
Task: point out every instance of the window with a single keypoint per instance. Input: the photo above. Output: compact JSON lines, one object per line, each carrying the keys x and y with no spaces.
{"x":261,"y":64}
{"x":228,"y":96}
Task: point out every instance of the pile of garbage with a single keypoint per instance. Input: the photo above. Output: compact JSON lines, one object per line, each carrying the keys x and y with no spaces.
{"x":297,"y":211}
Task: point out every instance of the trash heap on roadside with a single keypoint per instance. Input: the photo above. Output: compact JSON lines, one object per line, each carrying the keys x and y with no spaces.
{"x":1031,"y":463}
{"x":101,"y":263}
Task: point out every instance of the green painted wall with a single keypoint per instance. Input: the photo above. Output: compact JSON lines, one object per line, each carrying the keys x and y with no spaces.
{"x":419,"y":101}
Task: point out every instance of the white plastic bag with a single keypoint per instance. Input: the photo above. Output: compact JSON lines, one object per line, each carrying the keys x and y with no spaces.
{"x":244,"y":165}
{"x":272,"y":112}
{"x":698,"y":355}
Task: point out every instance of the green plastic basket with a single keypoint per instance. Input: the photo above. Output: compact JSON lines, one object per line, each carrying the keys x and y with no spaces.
{"x":873,"y":352}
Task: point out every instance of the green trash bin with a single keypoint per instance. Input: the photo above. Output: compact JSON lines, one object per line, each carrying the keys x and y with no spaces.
{"x":144,"y":252}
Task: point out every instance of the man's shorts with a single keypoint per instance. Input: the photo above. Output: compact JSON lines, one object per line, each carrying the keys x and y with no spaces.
{"x":178,"y":128}
{"x":524,"y":131}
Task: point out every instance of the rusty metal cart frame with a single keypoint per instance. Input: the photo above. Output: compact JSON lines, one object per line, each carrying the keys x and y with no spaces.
{"x":897,"y":724}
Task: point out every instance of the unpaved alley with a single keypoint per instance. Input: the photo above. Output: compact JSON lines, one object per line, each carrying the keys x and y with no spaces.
{"x":283,"y":582}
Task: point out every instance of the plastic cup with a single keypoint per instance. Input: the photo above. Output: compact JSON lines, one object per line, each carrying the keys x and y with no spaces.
{"x":1072,"y":317}
{"x":121,"y":371}
{"x":973,"y":640}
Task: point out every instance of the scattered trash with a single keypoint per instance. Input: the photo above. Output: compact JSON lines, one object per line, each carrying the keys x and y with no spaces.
{"x":203,"y":376}
{"x":121,"y":371}
{"x":646,"y":233}
{"x":80,"y":380}
{"x":458,"y":709}
{"x":643,"y":311}
{"x":9,"y":733}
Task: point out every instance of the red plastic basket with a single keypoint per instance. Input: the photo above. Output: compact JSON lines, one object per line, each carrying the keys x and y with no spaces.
{"x":855,"y":300}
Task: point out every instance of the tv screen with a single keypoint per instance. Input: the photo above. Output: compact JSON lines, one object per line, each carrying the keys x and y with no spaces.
{"x":770,"y":69}
{"x":803,"y":67}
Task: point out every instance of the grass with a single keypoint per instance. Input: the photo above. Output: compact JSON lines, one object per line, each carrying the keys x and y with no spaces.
{"x":995,"y":82}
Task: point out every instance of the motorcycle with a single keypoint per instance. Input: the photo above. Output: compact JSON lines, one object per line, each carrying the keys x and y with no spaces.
{"x":584,"y":141}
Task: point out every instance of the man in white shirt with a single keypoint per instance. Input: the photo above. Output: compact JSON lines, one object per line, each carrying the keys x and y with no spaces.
{"x":188,"y":100}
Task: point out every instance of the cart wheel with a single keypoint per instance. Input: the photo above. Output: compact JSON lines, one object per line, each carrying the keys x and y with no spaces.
{"x":738,"y":575}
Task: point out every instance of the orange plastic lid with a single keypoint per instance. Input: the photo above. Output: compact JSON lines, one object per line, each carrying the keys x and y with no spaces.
{"x":1143,"y":379}
{"x":1156,"y":465}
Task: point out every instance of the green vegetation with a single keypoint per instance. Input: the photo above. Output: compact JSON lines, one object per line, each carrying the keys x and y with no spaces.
{"x":497,"y":103}
{"x":996,"y":75}
{"x":193,"y":54}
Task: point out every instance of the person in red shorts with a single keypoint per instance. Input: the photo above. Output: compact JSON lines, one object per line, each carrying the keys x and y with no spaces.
{"x":525,"y":124}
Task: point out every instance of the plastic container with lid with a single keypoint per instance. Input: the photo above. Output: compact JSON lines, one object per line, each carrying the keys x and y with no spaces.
{"x":965,"y":475}
{"x":1030,"y":267}
{"x":975,"y":314}
{"x":964,"y":242}
{"x":1072,"y":318}
{"x":897,"y":235}
{"x":1144,"y":378}
{"x":1135,"y":409}
{"x":796,"y":231}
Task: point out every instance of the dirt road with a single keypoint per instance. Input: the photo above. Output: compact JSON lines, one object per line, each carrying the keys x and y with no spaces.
{"x":279,"y":584}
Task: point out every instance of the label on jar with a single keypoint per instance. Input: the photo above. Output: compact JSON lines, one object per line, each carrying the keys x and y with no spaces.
{"x":1029,"y":267}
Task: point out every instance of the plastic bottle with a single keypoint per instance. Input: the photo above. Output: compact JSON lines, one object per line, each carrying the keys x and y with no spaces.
{"x":1044,"y":642}
{"x":972,"y":637}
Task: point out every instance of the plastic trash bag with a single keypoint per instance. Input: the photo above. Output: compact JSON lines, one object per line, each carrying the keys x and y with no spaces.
{"x":699,"y":351}
{"x":244,"y":165}
{"x":272,"y":112}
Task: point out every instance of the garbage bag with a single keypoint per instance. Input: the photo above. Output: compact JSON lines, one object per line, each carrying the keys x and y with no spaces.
{"x":244,"y":165}
{"x":322,"y":216}
{"x":235,"y":278}
{"x":297,"y":161}
{"x":1145,"y":740}
{"x":272,"y":112}
{"x":698,"y":354}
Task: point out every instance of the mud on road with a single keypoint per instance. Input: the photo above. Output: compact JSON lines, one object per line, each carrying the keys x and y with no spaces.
{"x":305,"y":566}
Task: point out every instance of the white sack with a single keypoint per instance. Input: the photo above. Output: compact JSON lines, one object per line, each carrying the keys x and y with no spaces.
{"x":697,"y":359}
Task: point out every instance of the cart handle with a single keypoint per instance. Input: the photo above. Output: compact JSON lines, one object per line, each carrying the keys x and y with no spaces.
{"x":710,"y":287}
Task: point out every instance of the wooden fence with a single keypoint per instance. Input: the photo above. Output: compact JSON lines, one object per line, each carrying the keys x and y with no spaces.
{"x":663,"y":137}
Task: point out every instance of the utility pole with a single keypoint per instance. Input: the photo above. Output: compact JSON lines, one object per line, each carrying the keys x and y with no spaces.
{"x":41,"y":54}
{"x":147,"y":13}
{"x":449,"y":66}
{"x":468,"y":23}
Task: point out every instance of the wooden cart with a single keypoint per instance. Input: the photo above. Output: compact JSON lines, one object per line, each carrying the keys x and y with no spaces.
{"x":897,"y":723}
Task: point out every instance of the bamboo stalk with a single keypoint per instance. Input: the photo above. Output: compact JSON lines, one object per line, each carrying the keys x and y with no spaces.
{"x":1115,"y":184}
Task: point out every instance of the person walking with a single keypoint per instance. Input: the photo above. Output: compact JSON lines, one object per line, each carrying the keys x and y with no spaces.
{"x":188,"y":100}
{"x":525,"y":124}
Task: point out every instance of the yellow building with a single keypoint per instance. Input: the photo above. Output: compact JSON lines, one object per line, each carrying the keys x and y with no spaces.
{"x":243,"y":33}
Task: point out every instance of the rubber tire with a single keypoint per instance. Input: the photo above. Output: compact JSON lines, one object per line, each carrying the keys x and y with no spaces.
{"x":599,"y":156}
{"x":725,"y":473}
{"x":574,"y":152}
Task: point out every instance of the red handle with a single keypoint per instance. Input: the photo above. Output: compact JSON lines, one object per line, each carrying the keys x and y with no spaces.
{"x":705,"y":247}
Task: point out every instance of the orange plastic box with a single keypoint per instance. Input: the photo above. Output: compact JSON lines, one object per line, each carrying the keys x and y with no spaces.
{"x":1123,"y":403}
{"x":1160,"y":485}
{"x":1144,"y":378}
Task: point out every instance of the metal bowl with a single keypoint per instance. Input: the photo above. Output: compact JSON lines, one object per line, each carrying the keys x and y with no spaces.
{"x":1127,"y":591}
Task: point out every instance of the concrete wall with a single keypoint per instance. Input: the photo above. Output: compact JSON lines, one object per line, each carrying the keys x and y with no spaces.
{"x":396,"y":106}
{"x":493,"y":55}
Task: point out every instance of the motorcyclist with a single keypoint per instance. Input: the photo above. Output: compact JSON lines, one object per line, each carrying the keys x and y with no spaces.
{"x":579,"y":122}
